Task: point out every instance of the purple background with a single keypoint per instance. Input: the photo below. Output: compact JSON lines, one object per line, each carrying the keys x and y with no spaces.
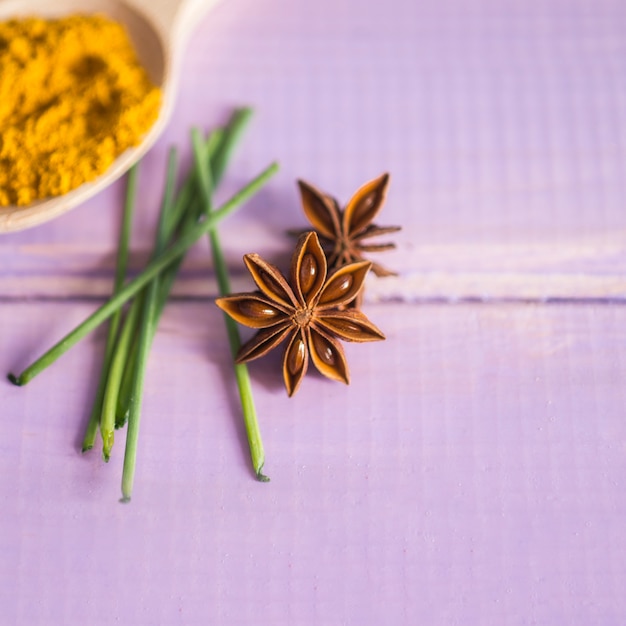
{"x":473,"y":471}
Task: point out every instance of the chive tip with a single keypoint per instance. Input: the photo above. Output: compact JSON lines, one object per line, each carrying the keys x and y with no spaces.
{"x":107,"y":445}
{"x":125,"y":499}
{"x":86,"y":448}
{"x":262,"y":478}
{"x":15,"y":379}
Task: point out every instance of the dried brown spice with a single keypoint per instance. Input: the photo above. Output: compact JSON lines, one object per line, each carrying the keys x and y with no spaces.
{"x":343,"y":232}
{"x":308,"y":310}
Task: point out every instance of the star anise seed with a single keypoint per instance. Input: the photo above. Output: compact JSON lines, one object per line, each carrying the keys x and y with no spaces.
{"x":343,"y":232}
{"x":309,"y":311}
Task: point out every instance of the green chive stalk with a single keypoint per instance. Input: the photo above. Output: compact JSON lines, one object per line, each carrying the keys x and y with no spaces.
{"x":120,"y":276}
{"x":182,"y":217}
{"x":133,"y":287}
{"x":205,"y":183}
{"x":146,"y":335}
{"x":119,"y":364}
{"x":226,"y":142}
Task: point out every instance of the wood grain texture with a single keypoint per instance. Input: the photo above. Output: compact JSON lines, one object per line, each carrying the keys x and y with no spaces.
{"x":473,"y":472}
{"x":502,"y":128}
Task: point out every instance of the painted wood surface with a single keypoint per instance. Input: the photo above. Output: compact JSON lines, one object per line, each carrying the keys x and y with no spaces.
{"x":473,"y":471}
{"x":502,"y":129}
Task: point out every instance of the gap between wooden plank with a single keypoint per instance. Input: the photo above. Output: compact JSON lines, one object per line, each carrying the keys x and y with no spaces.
{"x":589,"y":268}
{"x":417,"y":287}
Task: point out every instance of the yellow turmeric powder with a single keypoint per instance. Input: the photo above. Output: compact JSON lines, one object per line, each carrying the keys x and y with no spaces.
{"x":73,"y":97}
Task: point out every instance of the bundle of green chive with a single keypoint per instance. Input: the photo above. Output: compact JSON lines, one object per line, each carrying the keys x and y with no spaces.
{"x":185,"y":217}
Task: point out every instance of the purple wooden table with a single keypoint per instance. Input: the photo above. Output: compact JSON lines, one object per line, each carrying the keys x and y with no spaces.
{"x":473,"y":473}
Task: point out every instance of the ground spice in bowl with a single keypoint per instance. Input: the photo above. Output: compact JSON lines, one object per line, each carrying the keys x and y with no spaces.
{"x":73,"y":97}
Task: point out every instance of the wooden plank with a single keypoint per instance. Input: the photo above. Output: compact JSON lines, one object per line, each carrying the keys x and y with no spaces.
{"x":446,"y":273}
{"x":473,"y":471}
{"x":478,"y":456}
{"x":504,"y":136}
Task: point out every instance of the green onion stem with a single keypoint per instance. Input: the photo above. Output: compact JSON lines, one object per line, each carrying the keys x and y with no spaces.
{"x":134,"y":286}
{"x":186,"y":217}
{"x":120,"y":275}
{"x":146,"y":334}
{"x":134,"y":409}
{"x":205,"y":184}
{"x":117,"y":368}
{"x":226,"y":143}
{"x":126,"y":387}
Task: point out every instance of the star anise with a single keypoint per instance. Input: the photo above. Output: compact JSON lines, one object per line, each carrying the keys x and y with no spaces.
{"x":342,"y":232}
{"x":308,"y":310}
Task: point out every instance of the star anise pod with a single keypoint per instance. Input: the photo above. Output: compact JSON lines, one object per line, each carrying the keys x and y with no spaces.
{"x":343,"y":232}
{"x":308,"y":310}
